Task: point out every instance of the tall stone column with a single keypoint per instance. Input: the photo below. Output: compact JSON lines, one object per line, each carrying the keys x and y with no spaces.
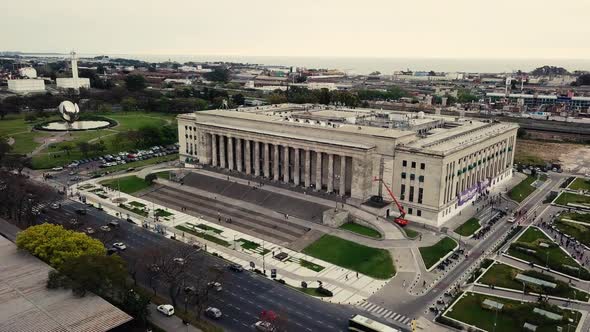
{"x":342,"y":175}
{"x":266,"y":160}
{"x":239,"y":157}
{"x":222,"y":155}
{"x":330,"y":184}
{"x":307,"y":169}
{"x":318,"y":171}
{"x":275,"y":162}
{"x":256,"y":158}
{"x":214,"y":156}
{"x":296,"y":167}
{"x":247,"y":156}
{"x":286,"y":164}
{"x":230,"y":152}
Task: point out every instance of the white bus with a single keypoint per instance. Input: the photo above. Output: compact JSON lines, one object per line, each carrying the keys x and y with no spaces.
{"x":359,"y":323}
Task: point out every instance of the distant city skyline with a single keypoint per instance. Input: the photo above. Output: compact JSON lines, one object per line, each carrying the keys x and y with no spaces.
{"x":376,"y":28}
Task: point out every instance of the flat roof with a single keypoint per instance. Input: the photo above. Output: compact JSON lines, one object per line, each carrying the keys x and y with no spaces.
{"x":27,"y":305}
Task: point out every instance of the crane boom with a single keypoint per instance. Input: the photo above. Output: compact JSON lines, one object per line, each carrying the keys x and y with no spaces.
{"x":401,"y":219}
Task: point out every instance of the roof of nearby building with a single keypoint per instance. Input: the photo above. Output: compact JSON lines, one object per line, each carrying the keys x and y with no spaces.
{"x":27,"y":305}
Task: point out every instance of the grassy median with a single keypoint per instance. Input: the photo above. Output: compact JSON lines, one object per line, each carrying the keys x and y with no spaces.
{"x":126,"y":184}
{"x":362,"y":230}
{"x":432,"y":255}
{"x":469,"y":227}
{"x":523,"y":189}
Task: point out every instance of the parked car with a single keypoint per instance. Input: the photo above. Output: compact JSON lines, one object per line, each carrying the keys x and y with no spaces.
{"x":57,"y":169}
{"x":105,"y":228}
{"x":236,"y":267}
{"x":54,"y":206}
{"x":90,"y":230}
{"x":166,"y":309}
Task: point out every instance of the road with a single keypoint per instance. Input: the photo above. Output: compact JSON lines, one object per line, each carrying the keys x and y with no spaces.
{"x":244,"y":295}
{"x":418,"y":305}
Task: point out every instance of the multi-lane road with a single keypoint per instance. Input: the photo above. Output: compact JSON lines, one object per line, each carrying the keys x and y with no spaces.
{"x":244,"y":296}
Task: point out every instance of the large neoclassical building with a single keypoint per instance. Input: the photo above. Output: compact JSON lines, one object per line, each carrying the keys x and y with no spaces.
{"x":434,"y":164}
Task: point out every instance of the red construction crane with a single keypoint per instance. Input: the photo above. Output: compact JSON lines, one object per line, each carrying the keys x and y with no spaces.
{"x":401,"y":220}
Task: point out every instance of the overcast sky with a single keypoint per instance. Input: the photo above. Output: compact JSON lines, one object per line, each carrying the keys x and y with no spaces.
{"x":373,"y":28}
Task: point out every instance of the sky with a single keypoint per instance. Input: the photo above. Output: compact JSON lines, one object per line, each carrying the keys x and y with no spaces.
{"x":349,"y":28}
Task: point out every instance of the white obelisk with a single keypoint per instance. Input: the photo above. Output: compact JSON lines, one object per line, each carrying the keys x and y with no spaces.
{"x":75,"y":70}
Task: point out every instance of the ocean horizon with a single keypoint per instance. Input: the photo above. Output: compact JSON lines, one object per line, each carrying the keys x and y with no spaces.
{"x":365,"y":65}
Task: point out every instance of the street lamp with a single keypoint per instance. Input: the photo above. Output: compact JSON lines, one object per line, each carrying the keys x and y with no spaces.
{"x":523,"y":287}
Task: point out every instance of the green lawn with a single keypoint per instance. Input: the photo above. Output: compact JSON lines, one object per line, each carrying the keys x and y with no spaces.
{"x":137,"y":204}
{"x":502,"y":275}
{"x":373,"y":262}
{"x":469,"y":227}
{"x":553,"y":255}
{"x":360,"y":229}
{"x":523,"y":189}
{"x":165,"y":174}
{"x":511,"y":317}
{"x":565,"y":198}
{"x":579,"y":231}
{"x":163,"y":213}
{"x":206,"y":228}
{"x":127,"y":184}
{"x":431,"y":255}
{"x":583,"y":217}
{"x":54,"y":155}
{"x":134,"y":209}
{"x":309,"y":265}
{"x":580,"y":184}
{"x":203,"y":235}
{"x":247,"y":244}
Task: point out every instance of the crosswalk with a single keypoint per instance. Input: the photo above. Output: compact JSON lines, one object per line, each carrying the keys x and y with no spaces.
{"x":385,"y":313}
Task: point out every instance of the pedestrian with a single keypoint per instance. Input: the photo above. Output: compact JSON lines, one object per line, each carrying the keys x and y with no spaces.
{"x":357,"y":275}
{"x":346,"y":277}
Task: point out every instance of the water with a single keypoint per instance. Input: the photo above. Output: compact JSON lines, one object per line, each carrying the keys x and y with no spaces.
{"x":77,"y":125}
{"x":357,"y":65}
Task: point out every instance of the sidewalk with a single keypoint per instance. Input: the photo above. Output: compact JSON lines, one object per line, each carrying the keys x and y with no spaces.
{"x":347,"y":288}
{"x":170,"y":324}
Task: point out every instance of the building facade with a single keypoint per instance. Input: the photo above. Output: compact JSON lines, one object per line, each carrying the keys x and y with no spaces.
{"x":434,"y":164}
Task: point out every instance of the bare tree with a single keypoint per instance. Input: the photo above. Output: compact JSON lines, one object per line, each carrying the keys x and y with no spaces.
{"x":201,"y":291}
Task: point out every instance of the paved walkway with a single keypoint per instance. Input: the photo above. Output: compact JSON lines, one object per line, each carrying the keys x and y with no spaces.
{"x":345,"y":284}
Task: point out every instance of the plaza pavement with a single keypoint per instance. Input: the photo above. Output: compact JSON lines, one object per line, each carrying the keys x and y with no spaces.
{"x":344,"y":283}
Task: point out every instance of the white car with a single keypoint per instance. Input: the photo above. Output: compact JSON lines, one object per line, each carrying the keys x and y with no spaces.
{"x":511,"y":220}
{"x":179,"y":260}
{"x":212,"y":312}
{"x":215,"y":285}
{"x":105,"y":228}
{"x":89,"y":230}
{"x":120,"y":245}
{"x":57,"y":169}
{"x":166,"y":309}
{"x":264,"y":326}
{"x":54,"y":206}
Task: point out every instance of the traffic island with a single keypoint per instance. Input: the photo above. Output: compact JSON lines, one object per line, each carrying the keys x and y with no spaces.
{"x":572,"y":200}
{"x":505,"y":276}
{"x":578,"y":230}
{"x":523,"y":189}
{"x":501,"y":314}
{"x":436,"y":253}
{"x":534,"y":246}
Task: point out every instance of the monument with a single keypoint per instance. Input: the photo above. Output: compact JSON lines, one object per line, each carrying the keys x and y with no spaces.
{"x":69,"y":111}
{"x":70,"y":120}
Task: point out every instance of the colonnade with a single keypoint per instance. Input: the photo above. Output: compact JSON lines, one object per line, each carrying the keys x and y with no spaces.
{"x":281,"y":162}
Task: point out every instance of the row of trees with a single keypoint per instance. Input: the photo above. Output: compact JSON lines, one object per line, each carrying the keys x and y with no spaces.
{"x":146,"y":136}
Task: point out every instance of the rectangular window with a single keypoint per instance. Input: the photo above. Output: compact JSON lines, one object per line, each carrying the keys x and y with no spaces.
{"x":403,"y":192}
{"x":422,"y":166}
{"x":419,"y":213}
{"x":413,"y":164}
{"x":420,"y":195}
{"x":421,"y":178}
{"x":403,"y":175}
{"x":410,"y":210}
{"x":404,"y":163}
{"x":411,"y":193}
{"x":412,"y":177}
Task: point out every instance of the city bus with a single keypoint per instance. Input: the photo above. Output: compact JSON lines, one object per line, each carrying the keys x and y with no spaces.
{"x":359,"y":323}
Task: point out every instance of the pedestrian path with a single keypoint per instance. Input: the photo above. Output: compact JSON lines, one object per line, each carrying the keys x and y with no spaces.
{"x":385,"y":313}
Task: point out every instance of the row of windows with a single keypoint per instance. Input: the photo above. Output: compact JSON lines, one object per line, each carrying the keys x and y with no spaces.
{"x":405,"y":164}
{"x":411,"y":194}
{"x":413,"y":177}
{"x":418,"y":212}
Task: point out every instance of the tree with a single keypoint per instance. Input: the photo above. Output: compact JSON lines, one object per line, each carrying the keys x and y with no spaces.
{"x":55,"y":245}
{"x":238,"y":99}
{"x":219,"y":74}
{"x":5,"y":148}
{"x":84,"y":147}
{"x":67,"y":148}
{"x":150,"y":178}
{"x":135,"y":82}
{"x":95,"y":273}
{"x":276,"y":98}
{"x":129,"y":104}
